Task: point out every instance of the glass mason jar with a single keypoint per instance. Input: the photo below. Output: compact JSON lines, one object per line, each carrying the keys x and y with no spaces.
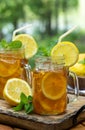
{"x":49,"y":85}
{"x":12,"y":65}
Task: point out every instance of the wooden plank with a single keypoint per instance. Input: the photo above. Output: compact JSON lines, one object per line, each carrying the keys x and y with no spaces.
{"x":34,"y":121}
{"x":80,"y":126}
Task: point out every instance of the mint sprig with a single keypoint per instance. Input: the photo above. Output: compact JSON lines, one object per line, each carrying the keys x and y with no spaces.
{"x":25,"y":104}
{"x":15,"y":45}
{"x":82,"y":61}
{"x":11,"y":45}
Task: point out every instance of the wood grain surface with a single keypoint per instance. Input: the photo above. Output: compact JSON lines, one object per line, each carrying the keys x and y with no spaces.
{"x":34,"y":121}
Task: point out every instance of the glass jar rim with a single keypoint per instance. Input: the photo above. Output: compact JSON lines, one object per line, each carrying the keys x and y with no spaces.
{"x":15,"y":53}
{"x":3,"y":50}
{"x":56,"y":59}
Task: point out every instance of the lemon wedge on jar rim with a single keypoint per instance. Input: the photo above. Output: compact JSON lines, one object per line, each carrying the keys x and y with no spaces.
{"x":29,"y":44}
{"x":68,"y":50}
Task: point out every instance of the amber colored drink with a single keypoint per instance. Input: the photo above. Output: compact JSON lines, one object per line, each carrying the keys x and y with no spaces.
{"x":11,"y":65}
{"x":49,"y":82}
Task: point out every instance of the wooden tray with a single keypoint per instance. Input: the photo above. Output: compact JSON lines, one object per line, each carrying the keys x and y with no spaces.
{"x":38,"y":122}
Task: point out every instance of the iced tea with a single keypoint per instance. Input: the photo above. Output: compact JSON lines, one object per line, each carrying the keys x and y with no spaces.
{"x":11,"y":65}
{"x":49,"y":83}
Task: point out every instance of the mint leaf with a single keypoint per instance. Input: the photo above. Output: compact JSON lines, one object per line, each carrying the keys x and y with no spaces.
{"x":3,"y":44}
{"x":24,"y":98}
{"x":19,"y":107}
{"x":25,"y":103}
{"x":15,"y":45}
{"x":12,"y":45}
{"x":82,"y":61}
{"x":26,"y":106}
{"x":30,"y":98}
{"x":29,"y":108}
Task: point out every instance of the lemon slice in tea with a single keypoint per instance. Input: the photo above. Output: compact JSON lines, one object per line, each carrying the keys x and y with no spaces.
{"x":13,"y":89}
{"x":68,"y":50}
{"x":52,"y":87}
{"x":8,"y":66}
{"x":29,"y":43}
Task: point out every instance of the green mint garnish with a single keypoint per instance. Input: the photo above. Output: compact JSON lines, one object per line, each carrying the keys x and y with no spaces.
{"x":28,"y":107}
{"x":82,"y":61}
{"x":11,"y":45}
{"x":15,"y":45}
{"x":3,"y":44}
{"x":19,"y":107}
{"x":25,"y":104}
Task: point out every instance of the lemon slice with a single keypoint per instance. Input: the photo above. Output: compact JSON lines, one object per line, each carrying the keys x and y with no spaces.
{"x":79,"y":68}
{"x":8,"y":67}
{"x":52,"y":87}
{"x":13,"y":89}
{"x":68,"y":50}
{"x":29,"y":43}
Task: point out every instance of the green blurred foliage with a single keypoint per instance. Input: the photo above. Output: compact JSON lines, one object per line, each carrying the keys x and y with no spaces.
{"x":44,"y":11}
{"x":14,"y":13}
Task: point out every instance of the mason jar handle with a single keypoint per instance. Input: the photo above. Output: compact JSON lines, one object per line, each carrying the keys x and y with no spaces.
{"x":27,"y":68}
{"x":76,"y":84}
